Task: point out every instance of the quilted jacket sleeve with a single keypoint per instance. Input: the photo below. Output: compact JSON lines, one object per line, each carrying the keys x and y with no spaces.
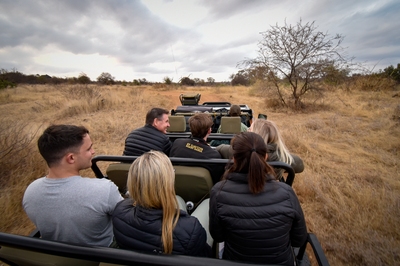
{"x":198,"y":243}
{"x":215,"y":227}
{"x":298,"y":165}
{"x":298,"y":233}
{"x":167,"y":147}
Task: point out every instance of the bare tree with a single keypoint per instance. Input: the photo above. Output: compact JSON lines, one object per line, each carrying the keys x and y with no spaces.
{"x":297,"y":54}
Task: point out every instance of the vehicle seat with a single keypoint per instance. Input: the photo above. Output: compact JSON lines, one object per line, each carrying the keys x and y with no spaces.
{"x":190,"y":98}
{"x":177,"y":124}
{"x":118,"y":173}
{"x":17,"y":256}
{"x":192,"y":183}
{"x":230,"y":125}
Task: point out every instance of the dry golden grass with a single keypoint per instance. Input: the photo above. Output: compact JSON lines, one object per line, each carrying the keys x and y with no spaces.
{"x":349,"y":142}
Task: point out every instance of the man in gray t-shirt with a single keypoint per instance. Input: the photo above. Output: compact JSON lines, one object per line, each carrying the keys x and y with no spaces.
{"x":63,"y":205}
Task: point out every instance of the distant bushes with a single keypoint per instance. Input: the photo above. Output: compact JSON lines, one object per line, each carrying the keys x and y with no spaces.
{"x":5,"y":84}
{"x":376,"y":82}
{"x":187,"y":81}
{"x":12,"y":78}
{"x":392,"y":72}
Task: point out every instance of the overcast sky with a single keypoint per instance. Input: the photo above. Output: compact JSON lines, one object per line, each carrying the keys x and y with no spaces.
{"x":153,"y":39}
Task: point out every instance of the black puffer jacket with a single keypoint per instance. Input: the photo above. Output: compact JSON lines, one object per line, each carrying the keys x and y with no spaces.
{"x":138,"y":228}
{"x":144,"y":139}
{"x":258,"y":228}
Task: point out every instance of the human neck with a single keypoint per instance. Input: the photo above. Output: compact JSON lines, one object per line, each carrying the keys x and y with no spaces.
{"x":206,"y":136}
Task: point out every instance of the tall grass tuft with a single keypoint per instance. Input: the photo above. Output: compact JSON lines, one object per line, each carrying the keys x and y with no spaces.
{"x":20,"y":164}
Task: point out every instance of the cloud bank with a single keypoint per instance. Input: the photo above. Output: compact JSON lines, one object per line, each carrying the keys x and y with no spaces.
{"x":154,"y":39}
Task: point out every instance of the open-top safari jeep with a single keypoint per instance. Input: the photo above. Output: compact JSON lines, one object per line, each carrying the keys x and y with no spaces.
{"x":219,"y":111}
{"x":191,"y":183}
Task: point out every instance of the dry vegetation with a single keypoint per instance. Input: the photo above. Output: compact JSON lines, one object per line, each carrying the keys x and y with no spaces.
{"x":349,"y":141}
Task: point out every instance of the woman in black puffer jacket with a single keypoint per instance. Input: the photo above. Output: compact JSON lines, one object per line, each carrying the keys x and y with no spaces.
{"x":259,"y":218}
{"x":152,"y":222}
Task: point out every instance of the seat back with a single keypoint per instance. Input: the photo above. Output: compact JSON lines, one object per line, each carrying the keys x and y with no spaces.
{"x":192,"y":183}
{"x":190,"y":98}
{"x":118,"y":173}
{"x":16,"y":256}
{"x":230,"y":125}
{"x":177,"y":124}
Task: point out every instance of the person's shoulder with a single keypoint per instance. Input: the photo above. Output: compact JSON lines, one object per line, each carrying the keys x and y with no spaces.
{"x":138,"y":130}
{"x":283,"y":187}
{"x":213,"y":153}
{"x":35,"y":183}
{"x":145,"y":129}
{"x":243,"y":127}
{"x":219,"y":184}
{"x":180,"y":141}
{"x":187,"y":220}
{"x":38,"y":181}
{"x":134,"y":131}
{"x":223,"y":147}
{"x":124,"y":204}
{"x":99,"y":182}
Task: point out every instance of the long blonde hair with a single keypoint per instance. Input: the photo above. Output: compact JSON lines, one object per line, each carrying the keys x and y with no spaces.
{"x":270,"y":133}
{"x":150,"y":183}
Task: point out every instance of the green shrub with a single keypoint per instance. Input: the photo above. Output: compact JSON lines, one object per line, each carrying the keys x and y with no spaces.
{"x":5,"y":84}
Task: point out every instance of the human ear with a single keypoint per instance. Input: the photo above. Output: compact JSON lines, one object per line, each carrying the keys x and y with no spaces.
{"x":155,"y":122}
{"x":70,"y":158}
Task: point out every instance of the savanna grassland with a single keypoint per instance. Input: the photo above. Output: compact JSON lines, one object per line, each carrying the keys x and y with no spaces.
{"x":349,"y":140}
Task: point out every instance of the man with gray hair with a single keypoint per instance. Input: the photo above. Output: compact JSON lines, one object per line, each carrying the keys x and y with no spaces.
{"x":152,"y":136}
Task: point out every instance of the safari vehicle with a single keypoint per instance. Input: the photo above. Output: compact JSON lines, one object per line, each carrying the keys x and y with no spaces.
{"x":192,"y":184}
{"x":219,"y":111}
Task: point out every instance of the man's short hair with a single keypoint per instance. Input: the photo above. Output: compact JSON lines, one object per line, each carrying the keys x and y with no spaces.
{"x":58,"y":140}
{"x":155,"y":113}
{"x":200,"y":124}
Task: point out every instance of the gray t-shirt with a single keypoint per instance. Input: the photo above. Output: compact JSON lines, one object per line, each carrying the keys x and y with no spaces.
{"x":73,"y":209}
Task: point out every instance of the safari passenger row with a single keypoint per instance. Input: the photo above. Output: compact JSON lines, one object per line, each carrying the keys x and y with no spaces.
{"x":257,"y":218}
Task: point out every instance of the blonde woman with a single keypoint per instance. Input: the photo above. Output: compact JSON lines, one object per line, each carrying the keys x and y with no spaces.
{"x":151,"y":220}
{"x":276,"y":148}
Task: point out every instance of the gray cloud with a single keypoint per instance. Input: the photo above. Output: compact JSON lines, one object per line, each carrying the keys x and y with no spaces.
{"x":228,"y":8}
{"x":131,"y":34}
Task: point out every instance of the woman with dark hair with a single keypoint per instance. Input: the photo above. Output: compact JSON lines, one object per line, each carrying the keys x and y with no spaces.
{"x":259,"y":218}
